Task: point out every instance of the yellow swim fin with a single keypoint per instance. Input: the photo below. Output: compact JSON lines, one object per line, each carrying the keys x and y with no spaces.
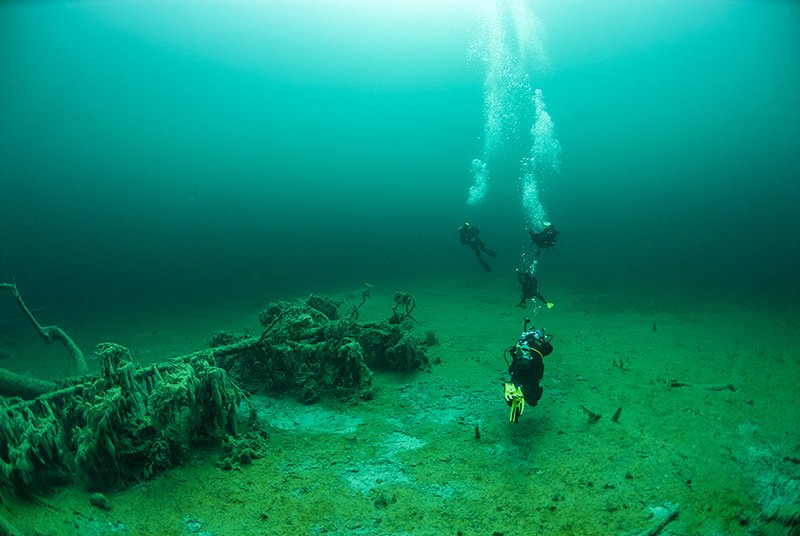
{"x":513,"y":396}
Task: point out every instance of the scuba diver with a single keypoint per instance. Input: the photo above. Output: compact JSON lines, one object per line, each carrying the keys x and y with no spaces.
{"x":530,"y":289}
{"x":469,"y":237}
{"x":546,"y":238}
{"x":526,"y":369}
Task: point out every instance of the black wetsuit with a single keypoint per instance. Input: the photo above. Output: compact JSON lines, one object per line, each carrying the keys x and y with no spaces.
{"x":469,"y":237}
{"x":546,"y":238}
{"x":527,"y":369}
{"x":530,"y":288}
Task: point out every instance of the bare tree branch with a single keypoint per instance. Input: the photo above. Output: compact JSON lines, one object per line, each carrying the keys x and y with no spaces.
{"x":50,"y":334}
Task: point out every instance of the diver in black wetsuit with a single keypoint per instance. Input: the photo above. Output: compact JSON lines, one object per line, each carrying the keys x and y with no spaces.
{"x":527,"y":369}
{"x":546,"y":238}
{"x":469,"y":237}
{"x":530,"y":289}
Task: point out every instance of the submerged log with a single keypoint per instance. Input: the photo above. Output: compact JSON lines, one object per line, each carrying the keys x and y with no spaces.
{"x":23,"y":386}
{"x":128,"y":421}
{"x":118,"y":426}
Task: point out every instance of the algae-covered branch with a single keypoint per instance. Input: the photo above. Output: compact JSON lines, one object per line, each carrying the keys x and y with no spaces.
{"x":129,"y":421}
{"x":317,"y":344}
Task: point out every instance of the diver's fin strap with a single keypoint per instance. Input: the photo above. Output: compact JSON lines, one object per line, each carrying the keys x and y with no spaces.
{"x":517,"y":407}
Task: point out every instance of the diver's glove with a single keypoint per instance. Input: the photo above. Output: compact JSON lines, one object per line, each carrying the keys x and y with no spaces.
{"x":550,"y":305}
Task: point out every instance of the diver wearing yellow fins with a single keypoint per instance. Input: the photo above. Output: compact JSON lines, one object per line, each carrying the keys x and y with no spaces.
{"x":526,"y":369}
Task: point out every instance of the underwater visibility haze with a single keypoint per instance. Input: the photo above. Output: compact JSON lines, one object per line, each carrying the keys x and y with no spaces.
{"x":157,"y":150}
{"x":182,"y":174}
